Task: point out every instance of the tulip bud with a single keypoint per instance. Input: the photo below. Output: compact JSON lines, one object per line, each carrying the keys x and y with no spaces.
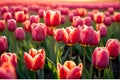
{"x":19,"y":33}
{"x":81,"y":12}
{"x":111,"y":10}
{"x":77,"y":21}
{"x":39,"y":32}
{"x":88,"y":21}
{"x":60,"y":35}
{"x":10,"y":58}
{"x":34,"y":19}
{"x":3,"y":43}
{"x":103,"y":30}
{"x":52,"y":18}
{"x":2,"y":25}
{"x":40,"y":13}
{"x":64,"y":10}
{"x":70,"y":16}
{"x":113,"y":46}
{"x":107,"y":21}
{"x":69,"y":70}
{"x":7,"y":71}
{"x":34,"y":60}
{"x":20,"y":16}
{"x":99,"y":17}
{"x":11,"y":23}
{"x":7,"y":16}
{"x":63,"y":19}
{"x":100,"y":58}
{"x":116,"y":17}
{"x":27,"y":25}
{"x":107,"y":14}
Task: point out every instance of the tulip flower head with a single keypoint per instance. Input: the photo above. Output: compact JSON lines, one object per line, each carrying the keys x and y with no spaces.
{"x":9,"y":58}
{"x":113,"y":46}
{"x":81,"y":12}
{"x":11,"y":23}
{"x":69,"y":70}
{"x":34,"y":60}
{"x":52,"y":18}
{"x":20,"y":16}
{"x":100,"y":58}
{"x":34,"y":19}
{"x":77,"y":21}
{"x":103,"y":30}
{"x":2,"y":25}
{"x":7,"y":16}
{"x":27,"y":25}
{"x":107,"y":21}
{"x":99,"y":17}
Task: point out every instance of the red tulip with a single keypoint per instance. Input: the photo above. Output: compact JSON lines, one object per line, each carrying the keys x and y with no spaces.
{"x":20,"y":16}
{"x":52,"y":18}
{"x":27,"y":25}
{"x":39,"y":32}
{"x":107,"y":21}
{"x":116,"y":17}
{"x":3,"y":43}
{"x":81,"y":12}
{"x":100,"y":58}
{"x":7,"y":16}
{"x":7,"y":71}
{"x":88,"y":21}
{"x":11,"y":23}
{"x":10,"y":58}
{"x":69,"y":70}
{"x":73,"y":35}
{"x":61,"y":35}
{"x":34,"y":19}
{"x":77,"y":21}
{"x":113,"y":46}
{"x":103,"y":30}
{"x":34,"y":60}
{"x":19,"y":33}
{"x":2,"y":25}
{"x":50,"y":31}
{"x":99,"y":17}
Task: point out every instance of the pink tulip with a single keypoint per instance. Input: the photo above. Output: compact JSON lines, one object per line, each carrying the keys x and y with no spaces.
{"x":4,"y":9}
{"x":111,"y":10}
{"x":63,"y":19}
{"x":103,"y":30}
{"x":88,"y":21}
{"x":77,"y":21}
{"x":99,"y":17}
{"x":3,"y":43}
{"x":7,"y":16}
{"x":41,"y":13}
{"x":2,"y":25}
{"x":107,"y":21}
{"x":20,"y":16}
{"x":34,"y":19}
{"x":11,"y":23}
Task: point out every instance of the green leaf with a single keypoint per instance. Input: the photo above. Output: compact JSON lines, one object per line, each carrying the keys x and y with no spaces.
{"x":40,"y":74}
{"x":65,"y":56}
{"x":86,"y":73}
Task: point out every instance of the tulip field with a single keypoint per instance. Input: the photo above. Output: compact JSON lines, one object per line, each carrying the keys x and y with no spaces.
{"x":59,"y":42}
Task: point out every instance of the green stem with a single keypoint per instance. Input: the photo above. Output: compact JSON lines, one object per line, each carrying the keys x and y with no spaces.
{"x":70,"y":56}
{"x":84,"y":48}
{"x":99,"y":73}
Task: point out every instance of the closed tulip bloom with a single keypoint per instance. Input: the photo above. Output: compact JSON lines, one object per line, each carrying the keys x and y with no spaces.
{"x":20,"y":16}
{"x":9,"y":58}
{"x":77,"y":21}
{"x":60,"y":35}
{"x":100,"y":58}
{"x":69,"y":70}
{"x":34,"y":19}
{"x":34,"y":60}
{"x":63,"y":19}
{"x":116,"y":17}
{"x":11,"y":24}
{"x":88,"y":21}
{"x":70,"y":16}
{"x":107,"y":21}
{"x":41,"y":13}
{"x":81,"y":12}
{"x":7,"y":71}
{"x":113,"y":46}
{"x":39,"y":32}
{"x":99,"y":17}
{"x":4,"y":9}
{"x":103,"y":30}
{"x":52,"y":18}
{"x":7,"y":16}
{"x":107,"y":14}
{"x":3,"y":43}
{"x":27,"y":25}
{"x":64,"y":10}
{"x":19,"y":33}
{"x":111,"y":10}
{"x":2,"y":25}
{"x":90,"y":14}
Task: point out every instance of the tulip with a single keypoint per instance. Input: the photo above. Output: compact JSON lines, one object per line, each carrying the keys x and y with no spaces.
{"x":113,"y":46}
{"x":52,"y":18}
{"x":20,"y":16}
{"x":69,"y":70}
{"x":34,"y":60}
{"x":7,"y":71}
{"x":90,"y":14}
{"x":100,"y":58}
{"x":40,"y":13}
{"x":111,"y":10}
{"x":103,"y":30}
{"x":3,"y":43}
{"x":11,"y":24}
{"x":7,"y":16}
{"x":4,"y":9}
{"x":39,"y":32}
{"x":19,"y":33}
{"x":107,"y":21}
{"x":88,"y":21}
{"x":73,"y":35}
{"x":107,"y":14}
{"x":116,"y":17}
{"x":60,"y":35}
{"x":27,"y":25}
{"x":50,"y":31}
{"x":10,"y":58}
{"x":77,"y":21}
{"x":34,"y":19}
{"x":64,"y":10}
{"x":99,"y":17}
{"x":2,"y":25}
{"x":63,"y":19}
{"x":70,"y":16}
{"x":81,"y":12}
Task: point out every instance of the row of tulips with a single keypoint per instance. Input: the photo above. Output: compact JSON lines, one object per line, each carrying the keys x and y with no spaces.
{"x":80,"y":32}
